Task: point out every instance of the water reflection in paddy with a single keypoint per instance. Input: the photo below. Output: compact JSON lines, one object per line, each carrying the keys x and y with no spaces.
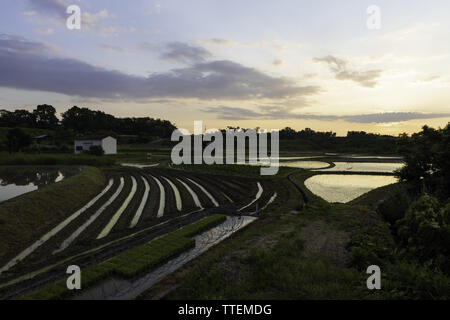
{"x":344,"y":188}
{"x":366,"y":166}
{"x":296,"y":164}
{"x":15,"y":181}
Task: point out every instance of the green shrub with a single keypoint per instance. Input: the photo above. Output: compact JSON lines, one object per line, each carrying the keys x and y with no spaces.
{"x":412,"y":281}
{"x":425,"y":231}
{"x":96,"y":151}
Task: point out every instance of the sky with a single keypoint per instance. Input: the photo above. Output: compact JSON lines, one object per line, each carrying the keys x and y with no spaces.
{"x":327,"y":65}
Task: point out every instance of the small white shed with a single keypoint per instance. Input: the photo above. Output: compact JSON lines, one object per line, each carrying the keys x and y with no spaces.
{"x":108,"y":144}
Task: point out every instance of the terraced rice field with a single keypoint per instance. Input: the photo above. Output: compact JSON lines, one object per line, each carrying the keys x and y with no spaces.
{"x":135,"y":204}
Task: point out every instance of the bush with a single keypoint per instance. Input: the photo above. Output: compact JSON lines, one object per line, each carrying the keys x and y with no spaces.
{"x":411,"y":281}
{"x":96,"y":151}
{"x":425,"y":231}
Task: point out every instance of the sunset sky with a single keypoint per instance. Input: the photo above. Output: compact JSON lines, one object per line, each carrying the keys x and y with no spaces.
{"x":248,"y":63}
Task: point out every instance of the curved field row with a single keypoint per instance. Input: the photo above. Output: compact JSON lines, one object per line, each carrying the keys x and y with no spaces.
{"x":85,"y":225}
{"x":258,"y":195}
{"x":138,"y":214}
{"x":137,"y":200}
{"x":162,"y":198}
{"x":119,"y":212}
{"x":54,"y":231}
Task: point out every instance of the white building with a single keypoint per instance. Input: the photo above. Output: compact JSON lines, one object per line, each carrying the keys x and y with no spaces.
{"x":108,"y":144}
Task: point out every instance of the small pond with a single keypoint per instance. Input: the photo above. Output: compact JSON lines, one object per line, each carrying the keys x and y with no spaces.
{"x":345,"y":187}
{"x":15,"y":181}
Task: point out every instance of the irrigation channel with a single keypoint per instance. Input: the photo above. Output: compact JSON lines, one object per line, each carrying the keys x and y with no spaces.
{"x":119,"y":289}
{"x":134,"y":208}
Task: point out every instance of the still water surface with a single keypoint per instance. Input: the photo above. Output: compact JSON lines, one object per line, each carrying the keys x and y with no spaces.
{"x":15,"y":181}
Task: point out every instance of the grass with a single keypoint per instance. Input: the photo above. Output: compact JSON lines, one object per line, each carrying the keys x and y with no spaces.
{"x":288,"y":255}
{"x":133,"y":262}
{"x":23,"y":219}
{"x":18,"y":159}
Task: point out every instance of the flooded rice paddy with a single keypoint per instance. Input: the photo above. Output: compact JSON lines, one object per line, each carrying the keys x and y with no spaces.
{"x":345,"y":188}
{"x":366,"y":167}
{"x":15,"y":181}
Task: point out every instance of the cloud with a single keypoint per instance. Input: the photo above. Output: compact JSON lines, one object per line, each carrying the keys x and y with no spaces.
{"x":57,"y":10}
{"x":281,"y":113}
{"x":178,"y":51}
{"x":48,"y":31}
{"x":33,"y":66}
{"x":222,"y":42}
{"x":343,"y":72}
{"x":114,"y":48}
{"x":393,"y":117}
{"x":277,"y":62}
{"x":232,"y":113}
{"x":49,"y":7}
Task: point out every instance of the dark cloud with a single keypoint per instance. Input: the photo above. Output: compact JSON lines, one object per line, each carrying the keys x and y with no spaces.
{"x":280,"y":113}
{"x":264,"y":113}
{"x":393,"y":117}
{"x":343,"y":72}
{"x":35,"y":68}
{"x":10,"y":44}
{"x":183,"y":52}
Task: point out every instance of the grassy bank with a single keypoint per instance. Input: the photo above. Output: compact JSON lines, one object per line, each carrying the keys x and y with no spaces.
{"x":18,"y":159}
{"x":135,"y":261}
{"x":321,"y":252}
{"x":25,"y":218}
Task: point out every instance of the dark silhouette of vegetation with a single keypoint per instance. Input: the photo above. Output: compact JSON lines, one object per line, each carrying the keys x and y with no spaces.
{"x":79,"y":121}
{"x":427,"y":157}
{"x":425,"y":232}
{"x":17,"y":140}
{"x":85,"y":121}
{"x":96,"y":151}
{"x":45,"y":116}
{"x":355,"y":141}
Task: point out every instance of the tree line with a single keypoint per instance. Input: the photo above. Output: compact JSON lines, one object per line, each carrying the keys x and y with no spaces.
{"x":85,"y":120}
{"x":77,"y":122}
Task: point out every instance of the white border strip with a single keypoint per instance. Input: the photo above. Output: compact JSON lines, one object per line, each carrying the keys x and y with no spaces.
{"x":192,"y":193}
{"x":119,"y":212}
{"x":54,"y":231}
{"x":209,"y":195}
{"x":139,"y":211}
{"x":91,"y":219}
{"x":178,"y":202}
{"x":258,"y":195}
{"x":162,"y":198}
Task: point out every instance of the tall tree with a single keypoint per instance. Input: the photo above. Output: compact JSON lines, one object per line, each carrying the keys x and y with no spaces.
{"x":427,"y":155}
{"x":46,"y":117}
